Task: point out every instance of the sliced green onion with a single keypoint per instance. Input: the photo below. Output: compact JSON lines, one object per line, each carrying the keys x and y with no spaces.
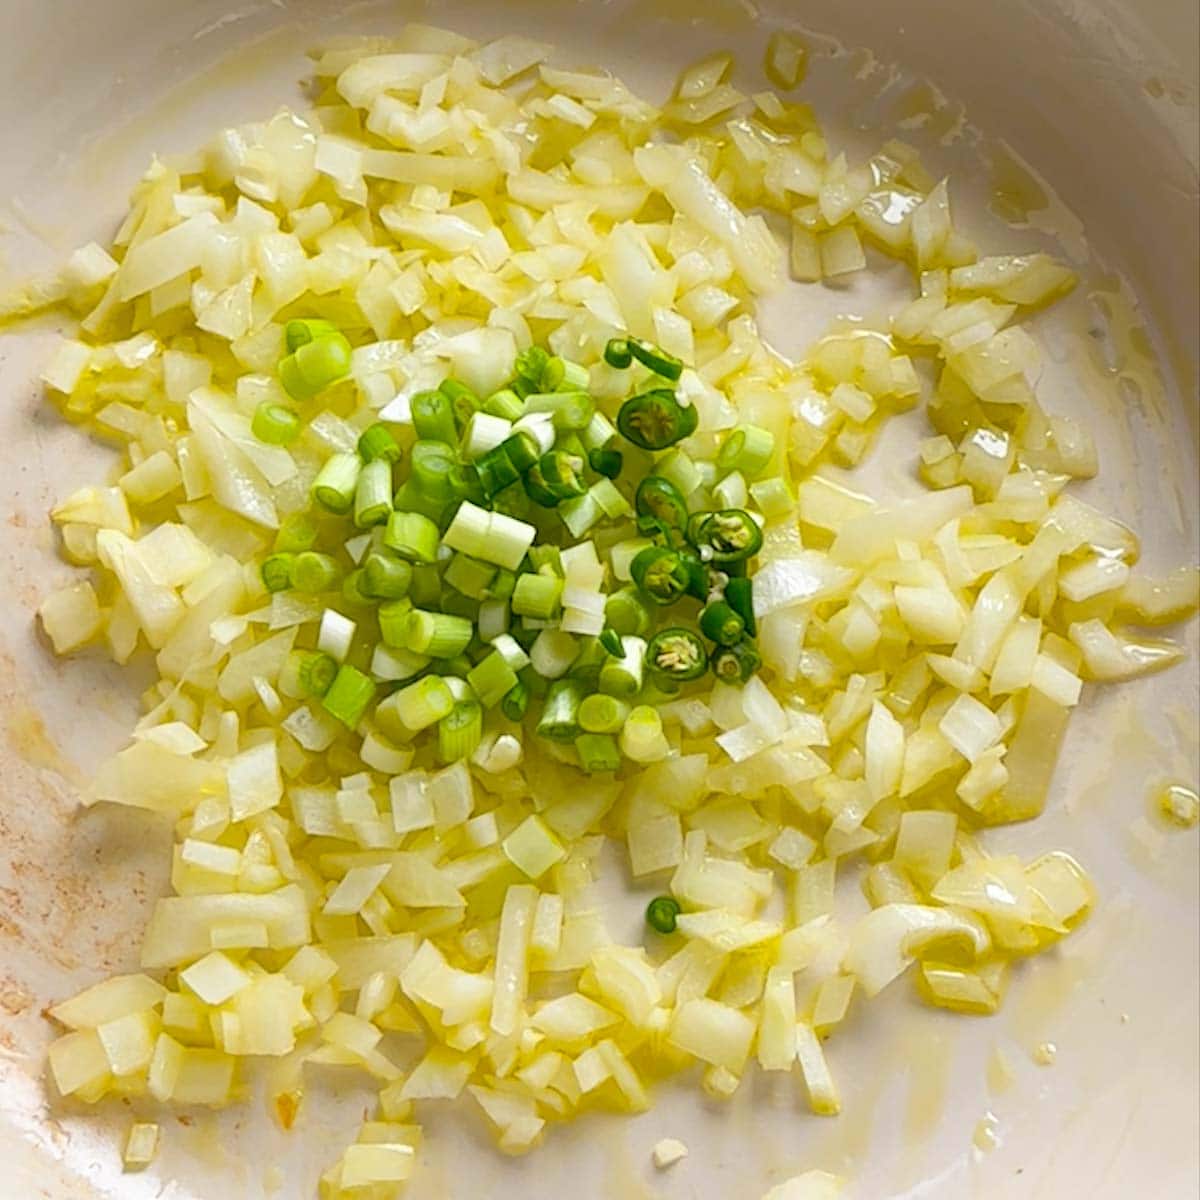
{"x":469,"y":576}
{"x":654,"y":358}
{"x":298,"y":531}
{"x":433,"y":417}
{"x":530,"y":364}
{"x":618,"y":354}
{"x":676,"y":655}
{"x":301,"y":331}
{"x":513,"y":502}
{"x":612,"y":504}
{"x":773,"y":497}
{"x":463,"y":401}
{"x":496,"y":471}
{"x":580,"y":513}
{"x":421,"y":704}
{"x":563,"y":375}
{"x":721,"y":624}
{"x":386,"y":577}
{"x":317,"y":672}
{"x":739,"y":595}
{"x":493,"y":619}
{"x":599,"y":433}
{"x":484,"y":432}
{"x":661,"y":573}
{"x":731,"y":492}
{"x":655,"y":420}
{"x":659,"y":498}
{"x":538,"y":490}
{"x":521,"y":449}
{"x":516,"y":701}
{"x":552,"y":653}
{"x":439,"y":635}
{"x":503,"y":585}
{"x":275,"y":424}
{"x":312,"y":367}
{"x":748,"y":449}
{"x":735,"y":664}
{"x":393,"y":622}
{"x":600,"y":713}
{"x":426,"y":587}
{"x":629,"y":611}
{"x":335,"y":484}
{"x":598,"y":753}
{"x":373,"y":494}
{"x":662,"y":914}
{"x":313,"y":572}
{"x":431,"y":466}
{"x":376,"y":441}
{"x":491,"y":679}
{"x":623,"y":675}
{"x":642,"y":737}
{"x":606,"y":462}
{"x":610,"y":640}
{"x":536,"y":595}
{"x":354,"y":589}
{"x":460,"y":731}
{"x":540,"y":427}
{"x":412,"y":536}
{"x":562,"y":473}
{"x":560,"y":711}
{"x":276,"y":572}
{"x":568,"y":410}
{"x":504,"y":403}
{"x":349,"y":696}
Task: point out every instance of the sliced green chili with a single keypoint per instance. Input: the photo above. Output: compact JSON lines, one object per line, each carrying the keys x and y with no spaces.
{"x":719,"y":623}
{"x":618,"y":354}
{"x":655,"y":420}
{"x":606,"y":461}
{"x":661,"y":573}
{"x":735,"y":664}
{"x":655,"y":358}
{"x":739,"y":595}
{"x":729,"y":536}
{"x":660,"y":499}
{"x":662,"y":914}
{"x":677,"y":655}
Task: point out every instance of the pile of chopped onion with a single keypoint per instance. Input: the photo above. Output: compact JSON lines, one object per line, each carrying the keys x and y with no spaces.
{"x":342,"y":897}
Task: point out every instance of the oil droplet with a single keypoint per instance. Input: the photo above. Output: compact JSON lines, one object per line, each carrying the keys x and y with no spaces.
{"x":1000,"y":1074}
{"x":987,"y":1133}
{"x":1044,"y":1054}
{"x":1180,"y":805}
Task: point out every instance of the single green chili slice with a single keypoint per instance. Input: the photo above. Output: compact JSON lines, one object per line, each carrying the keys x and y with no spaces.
{"x":735,"y":664}
{"x":656,"y":359}
{"x":660,"y":499}
{"x":376,"y":441}
{"x":606,"y":461}
{"x":433,"y":417}
{"x":661,"y":573}
{"x":729,"y":536}
{"x":676,"y":655}
{"x":654,"y":420}
{"x":719,"y":623}
{"x":699,"y":575}
{"x":662,"y":914}
{"x":618,"y":354}
{"x":739,"y":595}
{"x":276,"y":571}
